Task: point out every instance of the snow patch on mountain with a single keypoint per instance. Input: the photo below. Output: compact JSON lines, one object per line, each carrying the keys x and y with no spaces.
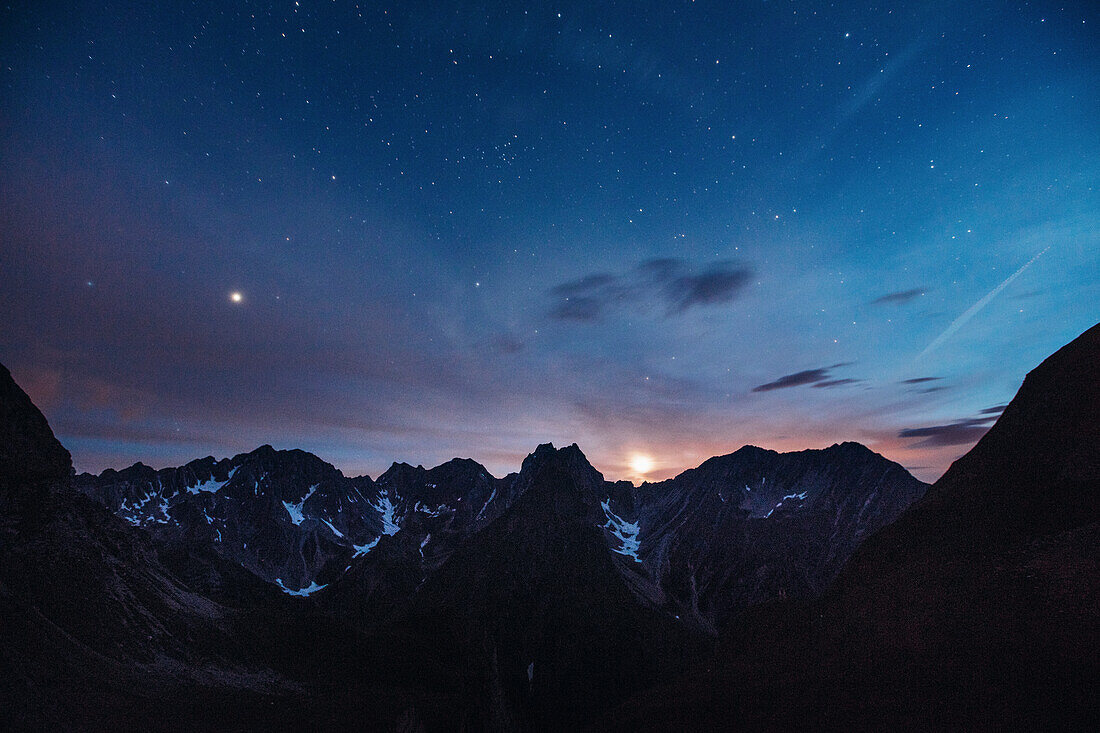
{"x":335,"y":531}
{"x":800,"y":497}
{"x":211,"y":485}
{"x":162,"y":506}
{"x":487,"y":503}
{"x":361,"y":550}
{"x":295,"y":510}
{"x":421,"y":507}
{"x":301,"y":592}
{"x":628,"y":533}
{"x":385,"y":507}
{"x":141,"y":514}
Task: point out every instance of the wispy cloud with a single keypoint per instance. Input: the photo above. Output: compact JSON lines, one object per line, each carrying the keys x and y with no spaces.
{"x":506,"y":343}
{"x":820,"y":377}
{"x":829,"y":383}
{"x":670,"y":284}
{"x":960,"y":432}
{"x":900,"y":297}
{"x":716,"y":285}
{"x":869,"y":92}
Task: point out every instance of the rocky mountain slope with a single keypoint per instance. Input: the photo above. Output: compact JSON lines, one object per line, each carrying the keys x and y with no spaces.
{"x":741,"y":529}
{"x":293,"y":519}
{"x":86,"y":608}
{"x":757,"y":525}
{"x":530,"y":622}
{"x":978,"y":609}
{"x":105,"y":627}
{"x":284,"y":515}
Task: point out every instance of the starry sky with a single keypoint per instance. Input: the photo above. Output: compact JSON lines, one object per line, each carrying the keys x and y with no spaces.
{"x":662,"y":230}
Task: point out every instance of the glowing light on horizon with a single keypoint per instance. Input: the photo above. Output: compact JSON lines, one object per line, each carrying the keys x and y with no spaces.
{"x":641,"y":464}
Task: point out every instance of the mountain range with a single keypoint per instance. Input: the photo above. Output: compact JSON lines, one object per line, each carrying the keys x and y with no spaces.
{"x":741,"y":529}
{"x":823,"y":588}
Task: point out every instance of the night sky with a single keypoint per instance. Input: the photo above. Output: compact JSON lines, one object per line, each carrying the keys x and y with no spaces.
{"x":661,"y":230}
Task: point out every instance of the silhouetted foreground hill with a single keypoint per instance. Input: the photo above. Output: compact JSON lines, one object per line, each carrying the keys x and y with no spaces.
{"x":30,"y":456}
{"x":978,"y":609}
{"x":97,"y":633}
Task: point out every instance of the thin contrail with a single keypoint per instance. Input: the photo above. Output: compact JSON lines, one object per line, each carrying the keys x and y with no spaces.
{"x":973,"y":310}
{"x":866,"y":94}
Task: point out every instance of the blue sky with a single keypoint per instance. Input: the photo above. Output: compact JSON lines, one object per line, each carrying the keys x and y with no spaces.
{"x":666,"y":229}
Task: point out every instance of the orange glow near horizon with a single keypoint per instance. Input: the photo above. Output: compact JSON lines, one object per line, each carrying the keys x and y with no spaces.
{"x":641,"y":464}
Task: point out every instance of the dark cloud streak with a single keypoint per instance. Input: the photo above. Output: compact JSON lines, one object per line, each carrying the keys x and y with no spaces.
{"x":719,"y":284}
{"x":820,"y":377}
{"x":830,"y":383}
{"x":900,"y":297}
{"x":809,"y":376}
{"x":960,"y":432}
{"x":664,"y":281}
{"x":583,"y":309}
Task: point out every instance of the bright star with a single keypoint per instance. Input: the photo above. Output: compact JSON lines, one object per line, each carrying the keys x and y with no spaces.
{"x":236,"y":296}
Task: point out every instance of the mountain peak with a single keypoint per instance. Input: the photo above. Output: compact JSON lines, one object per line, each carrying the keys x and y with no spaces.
{"x":1047,"y":437}
{"x":563,"y":480}
{"x":29,"y":452}
{"x":545,"y":450}
{"x":850,"y":446}
{"x":570,"y":459}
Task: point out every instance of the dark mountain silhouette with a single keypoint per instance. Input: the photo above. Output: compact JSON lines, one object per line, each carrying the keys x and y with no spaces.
{"x":448,"y":599}
{"x":433,"y":512}
{"x":560,"y":584}
{"x":741,"y":529}
{"x":295,"y":520}
{"x":757,"y":525}
{"x":977,"y":609}
{"x":536,"y":609}
{"x":84,"y":603}
{"x":30,"y":456}
{"x":98,"y":633}
{"x":286,"y":516}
